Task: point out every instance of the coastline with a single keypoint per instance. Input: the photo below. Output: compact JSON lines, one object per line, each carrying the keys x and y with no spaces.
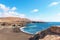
{"x":21,"y":29}
{"x":7,"y":34}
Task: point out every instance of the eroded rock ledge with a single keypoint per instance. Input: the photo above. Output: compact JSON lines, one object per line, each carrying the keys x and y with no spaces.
{"x":52,"y":33}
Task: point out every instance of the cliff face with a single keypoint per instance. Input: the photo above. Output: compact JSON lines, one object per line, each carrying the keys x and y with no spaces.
{"x":7,"y":21}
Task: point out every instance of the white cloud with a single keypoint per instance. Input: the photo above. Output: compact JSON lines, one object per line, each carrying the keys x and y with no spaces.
{"x":14,"y":8}
{"x":10,"y":12}
{"x":3,"y":7}
{"x":58,"y":14}
{"x":35,"y":10}
{"x":54,"y":3}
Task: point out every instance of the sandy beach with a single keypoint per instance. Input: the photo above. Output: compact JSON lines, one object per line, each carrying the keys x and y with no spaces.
{"x":8,"y":34}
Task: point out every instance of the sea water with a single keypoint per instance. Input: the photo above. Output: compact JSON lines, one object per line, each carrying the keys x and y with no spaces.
{"x":32,"y":28}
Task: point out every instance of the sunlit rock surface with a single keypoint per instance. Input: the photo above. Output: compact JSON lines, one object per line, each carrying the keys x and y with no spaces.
{"x":52,"y":33}
{"x":55,"y":29}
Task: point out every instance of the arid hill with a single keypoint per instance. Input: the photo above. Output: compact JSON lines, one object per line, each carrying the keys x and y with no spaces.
{"x":14,"y":20}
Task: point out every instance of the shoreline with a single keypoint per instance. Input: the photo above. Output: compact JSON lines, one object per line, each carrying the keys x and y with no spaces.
{"x":8,"y":34}
{"x":21,"y":29}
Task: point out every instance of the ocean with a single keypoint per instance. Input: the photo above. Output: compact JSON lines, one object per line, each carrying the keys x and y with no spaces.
{"x":32,"y":28}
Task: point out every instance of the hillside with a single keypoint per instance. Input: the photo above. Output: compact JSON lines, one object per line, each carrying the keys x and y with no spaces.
{"x":10,"y":32}
{"x":12,"y":19}
{"x":9,"y":21}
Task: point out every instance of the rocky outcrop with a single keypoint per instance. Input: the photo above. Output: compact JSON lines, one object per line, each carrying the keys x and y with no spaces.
{"x":55,"y":29}
{"x":39,"y":35}
{"x":52,"y":33}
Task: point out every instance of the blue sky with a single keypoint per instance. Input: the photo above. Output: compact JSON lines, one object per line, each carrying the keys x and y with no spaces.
{"x":44,"y":10}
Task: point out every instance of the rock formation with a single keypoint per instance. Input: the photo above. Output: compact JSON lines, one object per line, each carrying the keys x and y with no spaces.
{"x":52,"y":33}
{"x":55,"y":29}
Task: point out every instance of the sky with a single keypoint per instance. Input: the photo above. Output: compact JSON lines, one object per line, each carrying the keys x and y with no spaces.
{"x":38,"y":10}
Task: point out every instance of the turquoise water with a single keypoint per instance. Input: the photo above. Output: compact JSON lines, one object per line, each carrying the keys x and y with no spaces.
{"x":32,"y":28}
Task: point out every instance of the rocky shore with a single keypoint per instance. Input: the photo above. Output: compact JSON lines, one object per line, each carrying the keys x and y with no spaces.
{"x":52,"y":33}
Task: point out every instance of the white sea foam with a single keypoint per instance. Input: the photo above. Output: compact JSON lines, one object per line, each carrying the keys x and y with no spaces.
{"x":22,"y":29}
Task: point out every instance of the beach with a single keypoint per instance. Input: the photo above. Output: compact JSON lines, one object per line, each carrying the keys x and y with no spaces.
{"x":9,"y":25}
{"x":7,"y":34}
{"x":13,"y":29}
